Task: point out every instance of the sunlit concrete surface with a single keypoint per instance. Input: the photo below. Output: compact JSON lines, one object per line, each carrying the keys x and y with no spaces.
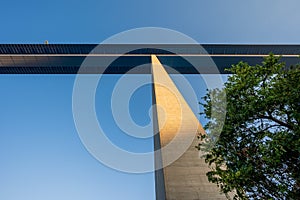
{"x":186,"y":177}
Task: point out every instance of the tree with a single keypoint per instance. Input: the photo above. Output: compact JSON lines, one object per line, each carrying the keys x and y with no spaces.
{"x":257,"y":153}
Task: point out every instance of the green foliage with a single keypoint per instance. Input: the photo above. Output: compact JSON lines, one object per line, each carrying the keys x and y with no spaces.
{"x":257,"y":155}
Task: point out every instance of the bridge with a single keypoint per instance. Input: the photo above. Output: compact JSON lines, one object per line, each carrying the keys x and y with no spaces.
{"x":185,"y":178}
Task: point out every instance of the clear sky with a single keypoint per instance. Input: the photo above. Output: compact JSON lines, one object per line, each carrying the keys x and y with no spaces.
{"x":92,"y":21}
{"x":41,"y":155}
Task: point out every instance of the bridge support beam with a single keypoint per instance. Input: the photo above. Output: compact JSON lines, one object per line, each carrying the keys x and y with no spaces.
{"x":184,"y":179}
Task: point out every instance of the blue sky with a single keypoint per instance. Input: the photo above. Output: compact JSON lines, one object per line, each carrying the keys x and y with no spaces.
{"x":92,"y":21}
{"x":41,"y":154}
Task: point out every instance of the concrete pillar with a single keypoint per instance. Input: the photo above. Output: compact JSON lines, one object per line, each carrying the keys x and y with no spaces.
{"x":184,"y":179}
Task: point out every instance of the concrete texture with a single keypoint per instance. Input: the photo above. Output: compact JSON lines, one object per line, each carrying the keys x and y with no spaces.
{"x":185,"y":179}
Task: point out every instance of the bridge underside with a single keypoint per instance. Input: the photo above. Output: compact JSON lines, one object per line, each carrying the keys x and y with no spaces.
{"x":119,"y":59}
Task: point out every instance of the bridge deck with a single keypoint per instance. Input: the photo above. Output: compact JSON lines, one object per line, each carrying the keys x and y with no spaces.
{"x":120,"y":58}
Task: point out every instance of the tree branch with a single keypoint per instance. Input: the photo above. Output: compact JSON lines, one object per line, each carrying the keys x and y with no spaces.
{"x":277,"y":121}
